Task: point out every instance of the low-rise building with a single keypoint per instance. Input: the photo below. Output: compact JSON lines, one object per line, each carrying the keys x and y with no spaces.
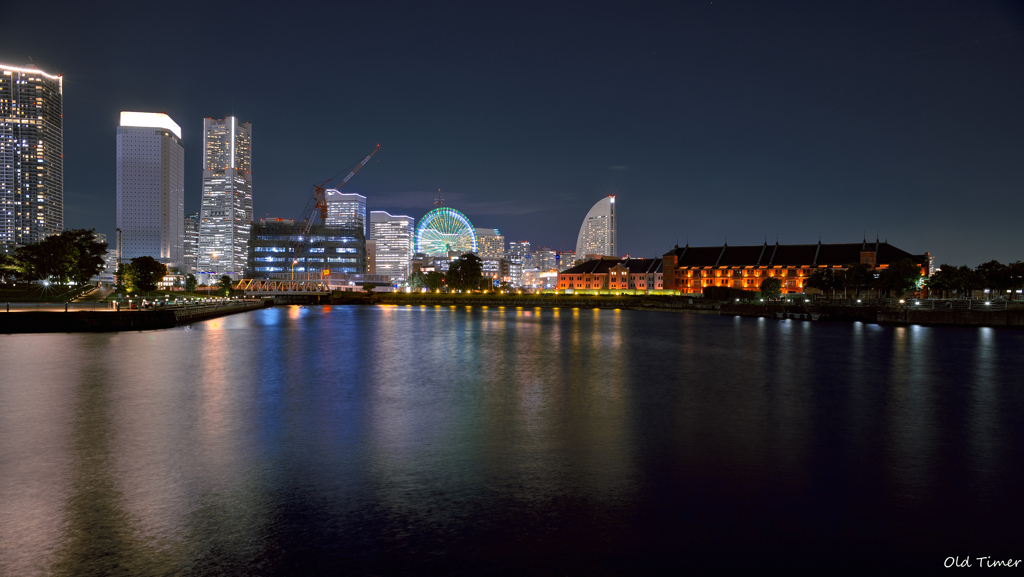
{"x":279,"y":249}
{"x":691,"y":269}
{"x":638,"y":274}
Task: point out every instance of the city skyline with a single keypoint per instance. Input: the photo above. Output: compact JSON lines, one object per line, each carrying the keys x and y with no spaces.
{"x":866,"y":121}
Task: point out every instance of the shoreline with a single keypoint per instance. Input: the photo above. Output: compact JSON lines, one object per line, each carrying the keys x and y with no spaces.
{"x":31,"y":322}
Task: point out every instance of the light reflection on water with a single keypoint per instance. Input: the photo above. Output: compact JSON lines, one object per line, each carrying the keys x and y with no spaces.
{"x":378,"y":439}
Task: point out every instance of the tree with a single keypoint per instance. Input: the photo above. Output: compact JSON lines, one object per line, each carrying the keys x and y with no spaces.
{"x":944,"y":280}
{"x":88,"y":253}
{"x":10,"y":268}
{"x":858,"y":275}
{"x":996,"y":275}
{"x":771,"y":288}
{"x":899,"y":277}
{"x":1015,"y":275}
{"x":417,"y":280}
{"x":224,"y":285}
{"x":191,"y":283}
{"x":825,"y":279}
{"x":53,"y":259}
{"x":368,"y":287}
{"x":142,"y":274}
{"x":73,"y":255}
{"x":465,"y":272}
{"x":434,"y":280}
{"x":453,"y":278}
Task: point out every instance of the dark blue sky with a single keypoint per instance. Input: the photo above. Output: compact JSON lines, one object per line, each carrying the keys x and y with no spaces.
{"x":710,"y":121}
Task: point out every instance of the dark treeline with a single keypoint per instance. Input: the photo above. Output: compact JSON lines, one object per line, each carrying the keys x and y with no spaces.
{"x":992,"y":275}
{"x":71,"y":256}
{"x":904,"y":275}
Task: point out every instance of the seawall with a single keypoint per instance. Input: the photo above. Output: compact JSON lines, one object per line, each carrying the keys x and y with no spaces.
{"x":108,"y":321}
{"x":876,"y":314}
{"x":549,"y":301}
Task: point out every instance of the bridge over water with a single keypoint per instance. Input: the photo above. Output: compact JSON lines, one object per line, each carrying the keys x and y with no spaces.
{"x":275,"y":288}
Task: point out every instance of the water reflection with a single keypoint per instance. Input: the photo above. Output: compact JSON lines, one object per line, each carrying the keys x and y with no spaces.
{"x":340,"y":435}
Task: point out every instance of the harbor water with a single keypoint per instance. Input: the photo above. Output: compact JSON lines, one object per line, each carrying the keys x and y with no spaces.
{"x":390,"y":440}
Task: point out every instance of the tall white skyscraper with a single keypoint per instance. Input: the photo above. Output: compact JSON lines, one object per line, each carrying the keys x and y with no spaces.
{"x":346,"y":210}
{"x":597,"y":234}
{"x":31,"y":155}
{"x":225,"y":218}
{"x":150,"y":187}
{"x":394,"y":237}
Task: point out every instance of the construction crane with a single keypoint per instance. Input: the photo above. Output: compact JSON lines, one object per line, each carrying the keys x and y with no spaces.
{"x":318,"y":199}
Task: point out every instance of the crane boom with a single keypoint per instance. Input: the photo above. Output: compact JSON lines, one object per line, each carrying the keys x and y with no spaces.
{"x":318,"y":200}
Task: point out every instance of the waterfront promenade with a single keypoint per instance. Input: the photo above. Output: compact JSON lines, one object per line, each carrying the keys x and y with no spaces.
{"x":83,"y":317}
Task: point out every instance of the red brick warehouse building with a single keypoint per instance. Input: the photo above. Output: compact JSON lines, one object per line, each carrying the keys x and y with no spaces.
{"x":690,"y":269}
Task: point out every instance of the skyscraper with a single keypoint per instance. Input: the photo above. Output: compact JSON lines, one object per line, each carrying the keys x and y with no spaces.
{"x":31,"y":155}
{"x":394,"y":238}
{"x":150,"y":187}
{"x":597,"y":234}
{"x":491,"y":244}
{"x":191,"y":244}
{"x":346,"y":210}
{"x":518,"y":256}
{"x":225,"y":219}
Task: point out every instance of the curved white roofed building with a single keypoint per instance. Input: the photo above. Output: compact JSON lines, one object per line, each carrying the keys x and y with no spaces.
{"x":597,"y":235}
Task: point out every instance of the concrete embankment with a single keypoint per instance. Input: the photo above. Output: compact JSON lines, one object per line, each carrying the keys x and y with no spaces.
{"x":107,"y":321}
{"x":1006,"y":318}
{"x":876,"y":314}
{"x":549,"y":301}
{"x":866,"y":314}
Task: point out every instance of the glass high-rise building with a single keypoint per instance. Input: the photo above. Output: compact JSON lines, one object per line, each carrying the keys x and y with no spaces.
{"x":545,"y":259}
{"x":597,"y":234}
{"x":191,"y":244}
{"x":346,"y":209}
{"x":394,"y":237}
{"x":518,"y":256}
{"x":150,"y":186}
{"x":31,"y":155}
{"x":225,"y":218}
{"x":490,"y":244}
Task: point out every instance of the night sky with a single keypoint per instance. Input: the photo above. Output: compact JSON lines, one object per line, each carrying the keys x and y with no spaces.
{"x":712,"y":122}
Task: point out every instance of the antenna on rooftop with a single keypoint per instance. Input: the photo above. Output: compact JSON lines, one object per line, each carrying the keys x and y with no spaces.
{"x":439,"y":201}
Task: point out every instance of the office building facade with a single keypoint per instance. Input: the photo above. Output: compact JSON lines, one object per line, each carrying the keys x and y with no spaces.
{"x":150,"y":186}
{"x":279,"y":250}
{"x":394,"y":240}
{"x":191,"y":242}
{"x":346,"y":210}
{"x":31,"y":155}
{"x":490,"y":244}
{"x":545,"y":259}
{"x":518,"y":256}
{"x":225,"y":219}
{"x":597,"y":233}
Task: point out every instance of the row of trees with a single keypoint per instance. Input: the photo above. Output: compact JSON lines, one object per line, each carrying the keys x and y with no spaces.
{"x":71,"y":256}
{"x":897,"y":278}
{"x":991,"y":275}
{"x":464,"y":273}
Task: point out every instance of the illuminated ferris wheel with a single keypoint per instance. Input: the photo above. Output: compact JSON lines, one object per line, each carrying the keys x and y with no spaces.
{"x":445,"y":229}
